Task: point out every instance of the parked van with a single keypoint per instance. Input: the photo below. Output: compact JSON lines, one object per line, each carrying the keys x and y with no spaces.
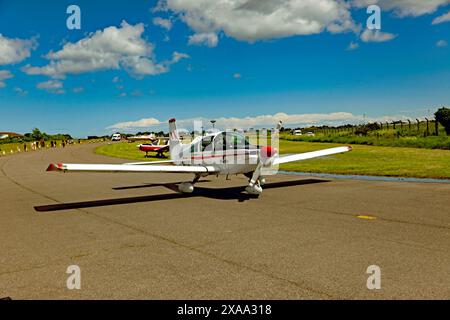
{"x":116,"y":137}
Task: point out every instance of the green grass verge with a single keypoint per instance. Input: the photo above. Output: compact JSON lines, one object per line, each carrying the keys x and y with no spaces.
{"x":430,"y":142}
{"x":126,"y":150}
{"x":370,"y":160}
{"x":15,"y":146}
{"x":363,"y":160}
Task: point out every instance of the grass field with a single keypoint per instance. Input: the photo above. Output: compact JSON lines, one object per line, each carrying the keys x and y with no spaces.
{"x":399,"y":137}
{"x":16,"y":146}
{"x":363,"y":160}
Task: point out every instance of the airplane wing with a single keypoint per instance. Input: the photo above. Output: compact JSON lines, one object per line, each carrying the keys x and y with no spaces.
{"x":63,"y":167}
{"x":310,"y":155}
{"x":146,"y":163}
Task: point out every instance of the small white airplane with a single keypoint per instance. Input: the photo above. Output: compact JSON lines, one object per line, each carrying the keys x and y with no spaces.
{"x":219,"y":153}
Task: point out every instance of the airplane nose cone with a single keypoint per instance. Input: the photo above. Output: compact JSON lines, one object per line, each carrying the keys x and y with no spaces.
{"x":267,"y":152}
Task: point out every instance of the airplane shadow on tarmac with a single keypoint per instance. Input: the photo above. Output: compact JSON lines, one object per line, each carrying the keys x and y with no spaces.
{"x":230,"y":193}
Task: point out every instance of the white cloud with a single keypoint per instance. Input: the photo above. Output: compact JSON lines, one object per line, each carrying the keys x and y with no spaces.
{"x":376,"y":36}
{"x":353,"y":46}
{"x":15,"y":50}
{"x":441,"y":19}
{"x":208,"y":39}
{"x":110,"y":49}
{"x":441,"y":43}
{"x":405,"y":7}
{"x":269,"y":121}
{"x":78,"y":90}
{"x":252,"y":20}
{"x":5,"y":75}
{"x":177,"y":56}
{"x":135,"y":124}
{"x":163,"y":23}
{"x":20,"y":91}
{"x":51,"y":84}
{"x":237,"y":75}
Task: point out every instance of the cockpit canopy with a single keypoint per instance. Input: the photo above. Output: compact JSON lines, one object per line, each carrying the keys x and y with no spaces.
{"x":223,"y":141}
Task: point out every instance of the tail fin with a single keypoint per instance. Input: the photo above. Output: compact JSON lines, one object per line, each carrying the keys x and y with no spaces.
{"x":174,"y":140}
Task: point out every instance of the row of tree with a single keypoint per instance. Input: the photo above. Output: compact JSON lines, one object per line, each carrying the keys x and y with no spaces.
{"x":37,"y":135}
{"x":443,"y":117}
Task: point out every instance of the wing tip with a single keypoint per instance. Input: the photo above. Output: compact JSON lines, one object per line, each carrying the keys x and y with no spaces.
{"x":55,"y":167}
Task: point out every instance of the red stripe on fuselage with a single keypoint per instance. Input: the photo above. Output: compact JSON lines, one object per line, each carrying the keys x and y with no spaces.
{"x":220,"y":156}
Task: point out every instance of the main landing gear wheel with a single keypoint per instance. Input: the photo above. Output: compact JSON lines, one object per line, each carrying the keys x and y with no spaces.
{"x":188,"y":187}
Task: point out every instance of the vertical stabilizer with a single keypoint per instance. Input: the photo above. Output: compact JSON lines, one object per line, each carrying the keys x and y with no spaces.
{"x":174,"y":140}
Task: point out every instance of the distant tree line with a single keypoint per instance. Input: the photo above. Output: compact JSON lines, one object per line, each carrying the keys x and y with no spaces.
{"x":36,"y":135}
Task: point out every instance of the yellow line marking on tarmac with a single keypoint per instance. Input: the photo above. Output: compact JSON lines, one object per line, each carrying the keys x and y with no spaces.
{"x":367,"y":217}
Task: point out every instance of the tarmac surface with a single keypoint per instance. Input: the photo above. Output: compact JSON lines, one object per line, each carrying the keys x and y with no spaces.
{"x":135,"y":238}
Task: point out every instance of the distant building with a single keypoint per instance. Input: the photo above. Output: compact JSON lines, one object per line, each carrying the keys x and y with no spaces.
{"x":4,"y":135}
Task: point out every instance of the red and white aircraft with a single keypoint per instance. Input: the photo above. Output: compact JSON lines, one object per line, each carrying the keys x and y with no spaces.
{"x":221,"y":153}
{"x":160,"y":146}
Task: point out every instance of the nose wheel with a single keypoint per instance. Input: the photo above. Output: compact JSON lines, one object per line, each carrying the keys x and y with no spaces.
{"x":255,"y":187}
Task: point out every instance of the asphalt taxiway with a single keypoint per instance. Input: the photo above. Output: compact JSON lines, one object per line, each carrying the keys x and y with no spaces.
{"x":133,"y":237}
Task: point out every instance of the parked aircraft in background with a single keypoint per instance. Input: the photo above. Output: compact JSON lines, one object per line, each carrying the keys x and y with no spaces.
{"x":160,"y":146}
{"x":148,"y":137}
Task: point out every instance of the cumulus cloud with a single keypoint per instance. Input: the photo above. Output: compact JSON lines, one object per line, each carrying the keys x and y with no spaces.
{"x":148,"y":122}
{"x":177,"y":56}
{"x":441,"y":43}
{"x":376,"y":36}
{"x":269,"y":121}
{"x":405,"y":7}
{"x":109,"y":49}
{"x":51,"y":84}
{"x":5,"y":75}
{"x":20,"y":91}
{"x":163,"y":23}
{"x":15,"y":50}
{"x":441,"y":19}
{"x":353,"y":46}
{"x":208,"y":39}
{"x":252,"y":20}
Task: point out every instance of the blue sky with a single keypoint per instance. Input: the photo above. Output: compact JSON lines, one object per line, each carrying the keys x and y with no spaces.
{"x":243,"y":67}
